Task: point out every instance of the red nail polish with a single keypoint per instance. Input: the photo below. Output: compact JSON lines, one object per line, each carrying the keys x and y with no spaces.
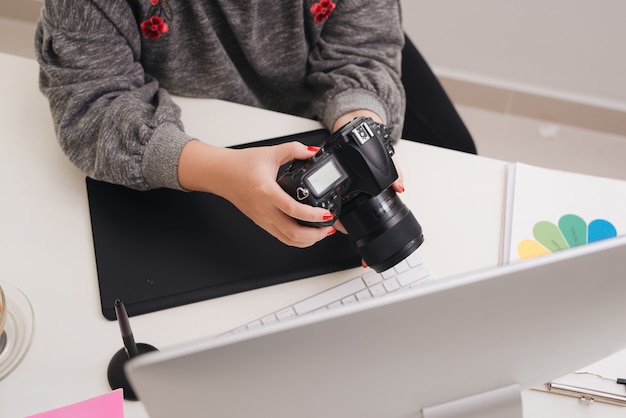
{"x":312,"y":148}
{"x":332,"y":231}
{"x":327,"y":217}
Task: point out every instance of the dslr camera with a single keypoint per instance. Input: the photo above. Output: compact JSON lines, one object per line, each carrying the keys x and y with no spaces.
{"x":351,"y":176}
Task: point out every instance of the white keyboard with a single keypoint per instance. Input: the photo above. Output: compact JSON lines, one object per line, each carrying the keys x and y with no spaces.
{"x":408,"y":273}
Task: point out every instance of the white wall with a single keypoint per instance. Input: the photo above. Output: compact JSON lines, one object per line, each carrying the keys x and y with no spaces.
{"x":569,"y":49}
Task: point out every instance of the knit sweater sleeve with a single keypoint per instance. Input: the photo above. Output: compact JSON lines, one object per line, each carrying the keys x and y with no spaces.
{"x":112,"y":120}
{"x":355,"y":62}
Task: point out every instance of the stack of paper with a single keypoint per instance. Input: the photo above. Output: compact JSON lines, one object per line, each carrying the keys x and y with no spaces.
{"x":550,"y":210}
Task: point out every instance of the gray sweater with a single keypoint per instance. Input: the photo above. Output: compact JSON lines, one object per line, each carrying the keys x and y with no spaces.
{"x":108,"y":82}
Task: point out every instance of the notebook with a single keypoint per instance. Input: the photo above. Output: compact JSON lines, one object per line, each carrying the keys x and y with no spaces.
{"x":467,"y":344}
{"x":164,"y":248}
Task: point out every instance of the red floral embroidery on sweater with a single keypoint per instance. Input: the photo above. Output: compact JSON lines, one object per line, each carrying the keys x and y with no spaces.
{"x":322,"y":10}
{"x":155,"y":25}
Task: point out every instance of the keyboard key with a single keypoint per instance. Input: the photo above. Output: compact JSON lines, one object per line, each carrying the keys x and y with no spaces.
{"x":335,"y":304}
{"x":322,"y":309}
{"x":378,"y":290}
{"x":416,"y":284}
{"x":391,"y":284}
{"x":407,"y":278}
{"x":350,"y":299}
{"x":254,"y":324}
{"x":286,"y":313}
{"x":372,"y":278}
{"x":388,"y":273}
{"x":330,"y":295}
{"x":363,"y":295}
{"x":414,"y":259}
{"x":402,"y":266}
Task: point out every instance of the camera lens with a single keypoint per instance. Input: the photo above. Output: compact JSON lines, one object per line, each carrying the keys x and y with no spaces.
{"x":382,"y":228}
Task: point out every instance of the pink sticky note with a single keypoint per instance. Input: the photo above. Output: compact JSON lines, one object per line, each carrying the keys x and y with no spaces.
{"x":109,"y":405}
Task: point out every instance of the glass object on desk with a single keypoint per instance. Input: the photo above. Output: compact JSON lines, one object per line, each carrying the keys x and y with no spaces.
{"x":3,"y":320}
{"x":16,"y":327}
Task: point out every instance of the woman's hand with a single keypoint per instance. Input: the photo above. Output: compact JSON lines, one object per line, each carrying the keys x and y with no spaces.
{"x":247,"y":178}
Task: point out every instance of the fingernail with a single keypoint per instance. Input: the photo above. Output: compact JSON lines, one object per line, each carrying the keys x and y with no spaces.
{"x":332,"y":231}
{"x":401,"y":187}
{"x":363,"y":264}
{"x":312,"y":148}
{"x":327,"y":217}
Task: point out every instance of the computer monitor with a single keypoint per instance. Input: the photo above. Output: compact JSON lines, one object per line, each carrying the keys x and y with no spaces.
{"x":456,"y":347}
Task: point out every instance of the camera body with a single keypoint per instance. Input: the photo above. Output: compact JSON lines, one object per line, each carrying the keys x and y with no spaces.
{"x":351,"y":176}
{"x":356,"y":159}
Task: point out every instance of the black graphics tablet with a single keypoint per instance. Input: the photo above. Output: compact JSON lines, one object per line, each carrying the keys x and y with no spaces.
{"x":164,"y":248}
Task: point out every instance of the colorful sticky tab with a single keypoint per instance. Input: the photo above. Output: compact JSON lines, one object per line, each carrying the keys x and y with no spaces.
{"x":549,"y":235}
{"x":530,"y":248}
{"x":601,"y":229}
{"x":574,"y":229}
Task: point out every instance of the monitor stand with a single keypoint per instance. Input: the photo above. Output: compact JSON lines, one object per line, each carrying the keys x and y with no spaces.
{"x":505,"y":402}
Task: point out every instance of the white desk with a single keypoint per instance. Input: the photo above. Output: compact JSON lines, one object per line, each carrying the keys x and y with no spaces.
{"x":47,"y":249}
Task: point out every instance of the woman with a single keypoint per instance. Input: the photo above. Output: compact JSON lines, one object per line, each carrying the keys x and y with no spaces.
{"x":108,"y":68}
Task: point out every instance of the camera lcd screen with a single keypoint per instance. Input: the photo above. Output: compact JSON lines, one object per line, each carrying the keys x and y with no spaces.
{"x":324,"y":177}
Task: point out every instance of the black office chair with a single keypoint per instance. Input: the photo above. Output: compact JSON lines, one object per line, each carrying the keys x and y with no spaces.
{"x":430,"y":116}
